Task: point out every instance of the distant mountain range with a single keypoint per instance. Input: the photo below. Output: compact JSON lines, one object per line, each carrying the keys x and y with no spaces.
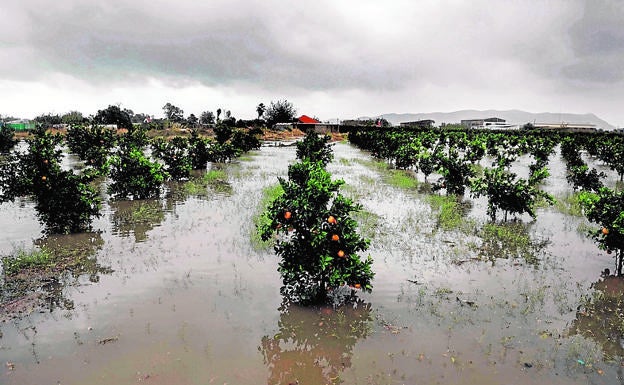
{"x":511,"y":116}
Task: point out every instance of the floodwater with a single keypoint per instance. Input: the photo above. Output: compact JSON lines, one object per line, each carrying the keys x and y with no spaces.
{"x":174,"y":292}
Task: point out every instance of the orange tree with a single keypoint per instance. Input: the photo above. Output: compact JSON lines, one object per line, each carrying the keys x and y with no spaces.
{"x":175,"y":155}
{"x":7,"y":139}
{"x":316,"y":236}
{"x":606,"y":208}
{"x":93,"y":144}
{"x":65,"y":201}
{"x":133,"y":174}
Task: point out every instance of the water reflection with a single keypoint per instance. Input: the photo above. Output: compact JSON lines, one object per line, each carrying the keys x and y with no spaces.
{"x":44,"y":288}
{"x":315,"y":345}
{"x":136,"y":217}
{"x":601,"y":318}
{"x":510,"y":240}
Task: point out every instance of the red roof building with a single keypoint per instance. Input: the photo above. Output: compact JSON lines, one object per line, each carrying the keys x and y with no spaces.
{"x":305,"y":119}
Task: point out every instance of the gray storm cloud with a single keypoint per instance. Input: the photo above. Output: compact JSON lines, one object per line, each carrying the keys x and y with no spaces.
{"x":105,"y":42}
{"x":473,"y":51}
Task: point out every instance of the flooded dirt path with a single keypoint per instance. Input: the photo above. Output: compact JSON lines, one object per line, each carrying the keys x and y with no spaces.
{"x":186,"y":299}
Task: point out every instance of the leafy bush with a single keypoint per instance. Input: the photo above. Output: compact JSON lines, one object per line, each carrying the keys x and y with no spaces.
{"x":65,"y":202}
{"x":508,"y":193}
{"x":7,"y":139}
{"x":316,"y":148}
{"x":606,"y":208}
{"x":175,"y":154}
{"x":92,"y":144}
{"x":316,"y":236}
{"x":133,"y":174}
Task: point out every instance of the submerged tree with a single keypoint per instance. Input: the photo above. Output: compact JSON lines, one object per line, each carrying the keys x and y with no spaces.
{"x":66,"y":202}
{"x":606,"y":208}
{"x":316,"y":235}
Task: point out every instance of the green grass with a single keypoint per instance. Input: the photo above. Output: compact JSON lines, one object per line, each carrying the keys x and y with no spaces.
{"x":214,"y":176}
{"x":368,"y":223}
{"x":450,"y":213}
{"x":147,"y":212}
{"x":216,"y":179}
{"x":26,"y":260}
{"x":397,"y":178}
{"x":402,"y":179}
{"x":269,"y":194}
{"x":570,"y":205}
{"x":509,"y":240}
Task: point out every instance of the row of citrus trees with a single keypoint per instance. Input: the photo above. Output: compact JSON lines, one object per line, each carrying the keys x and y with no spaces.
{"x":458,"y":157}
{"x":67,"y":200}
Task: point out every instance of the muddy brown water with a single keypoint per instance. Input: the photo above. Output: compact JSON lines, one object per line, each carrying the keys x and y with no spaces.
{"x":177,"y":294}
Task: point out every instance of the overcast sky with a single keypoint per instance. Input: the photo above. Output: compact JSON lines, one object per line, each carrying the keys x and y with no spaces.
{"x":330,"y":58}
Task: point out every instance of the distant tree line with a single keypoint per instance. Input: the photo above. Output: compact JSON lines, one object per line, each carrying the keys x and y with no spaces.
{"x":280,"y":111}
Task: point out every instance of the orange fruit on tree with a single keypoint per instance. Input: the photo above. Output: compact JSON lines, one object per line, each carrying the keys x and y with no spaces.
{"x":287,"y":215}
{"x":43,"y":178}
{"x":341,"y":253}
{"x":605,"y":231}
{"x":331,"y":220}
{"x":335,"y":237}
{"x":357,"y":286}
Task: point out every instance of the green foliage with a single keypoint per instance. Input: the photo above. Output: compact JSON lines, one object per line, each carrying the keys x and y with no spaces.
{"x":581,"y":177}
{"x":316,"y":148}
{"x":281,"y":111}
{"x":606,"y":208}
{"x":223,"y":133}
{"x":65,"y":202}
{"x":26,"y":260}
{"x":316,"y":235}
{"x":611,"y":151}
{"x":402,"y":179}
{"x":456,"y":173}
{"x":246,"y":139}
{"x":93,"y":144}
{"x":7,"y":137}
{"x":73,"y":118}
{"x":175,"y":155}
{"x":449,"y":211}
{"x":173,"y":114}
{"x":134,"y":175}
{"x":113,"y":115}
{"x":262,"y":219}
{"x":508,"y":193}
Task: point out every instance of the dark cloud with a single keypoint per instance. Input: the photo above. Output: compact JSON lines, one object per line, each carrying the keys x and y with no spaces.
{"x":443,"y":52}
{"x":106,"y":42}
{"x":597,"y":40}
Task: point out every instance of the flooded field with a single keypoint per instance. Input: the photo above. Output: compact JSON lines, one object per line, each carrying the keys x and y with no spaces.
{"x":176,"y":291}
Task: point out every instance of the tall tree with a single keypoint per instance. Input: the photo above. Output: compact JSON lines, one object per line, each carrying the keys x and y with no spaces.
{"x":281,"y":111}
{"x":207,"y":117}
{"x":173,"y":113}
{"x":260,"y":110}
{"x":113,"y":115}
{"x":218,"y":114}
{"x":72,"y":117}
{"x":192,"y":120}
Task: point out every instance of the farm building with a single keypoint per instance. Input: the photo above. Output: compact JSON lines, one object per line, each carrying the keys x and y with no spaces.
{"x":305,"y":123}
{"x":21,"y":124}
{"x":426,"y":123}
